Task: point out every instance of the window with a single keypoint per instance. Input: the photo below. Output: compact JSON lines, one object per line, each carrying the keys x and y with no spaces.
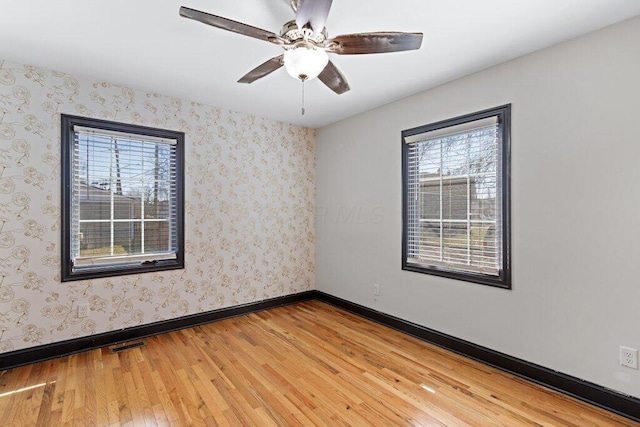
{"x":122,"y":199}
{"x":455,"y":177}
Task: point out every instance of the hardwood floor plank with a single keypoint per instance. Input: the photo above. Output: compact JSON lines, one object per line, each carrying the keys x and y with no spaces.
{"x":170,"y":412}
{"x":44,"y":411}
{"x":120,"y":397}
{"x":10,"y":403}
{"x":67,"y":407}
{"x":304,"y":364}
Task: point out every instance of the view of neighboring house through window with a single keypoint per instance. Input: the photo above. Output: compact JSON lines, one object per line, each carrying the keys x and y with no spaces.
{"x":122,"y":198}
{"x":456,"y":198}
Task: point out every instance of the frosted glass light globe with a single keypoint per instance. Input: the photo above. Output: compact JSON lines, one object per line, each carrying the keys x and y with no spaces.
{"x":305,"y":64}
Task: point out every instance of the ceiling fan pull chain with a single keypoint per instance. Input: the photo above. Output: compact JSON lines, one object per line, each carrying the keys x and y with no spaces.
{"x":302,"y":96}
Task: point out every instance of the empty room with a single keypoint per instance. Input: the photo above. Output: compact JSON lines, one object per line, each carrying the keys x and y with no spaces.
{"x":317,"y":212}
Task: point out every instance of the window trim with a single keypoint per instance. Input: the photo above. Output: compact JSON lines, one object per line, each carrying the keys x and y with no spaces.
{"x":503,"y":279}
{"x":68,"y":122}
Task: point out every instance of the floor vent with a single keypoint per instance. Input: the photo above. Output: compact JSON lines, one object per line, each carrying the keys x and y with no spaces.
{"x":127,"y":346}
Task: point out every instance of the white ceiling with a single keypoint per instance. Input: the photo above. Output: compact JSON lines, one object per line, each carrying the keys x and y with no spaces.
{"x":145,"y":44}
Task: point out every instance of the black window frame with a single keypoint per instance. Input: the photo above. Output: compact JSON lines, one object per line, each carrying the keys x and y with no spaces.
{"x":503,"y":279}
{"x":67,"y":142}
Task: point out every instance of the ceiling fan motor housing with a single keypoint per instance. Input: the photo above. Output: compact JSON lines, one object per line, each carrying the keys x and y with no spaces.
{"x":291,"y":32}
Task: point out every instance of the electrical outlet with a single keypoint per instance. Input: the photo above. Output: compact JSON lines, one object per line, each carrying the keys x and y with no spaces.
{"x":83,"y":310}
{"x":376,"y":289}
{"x":629,"y":357}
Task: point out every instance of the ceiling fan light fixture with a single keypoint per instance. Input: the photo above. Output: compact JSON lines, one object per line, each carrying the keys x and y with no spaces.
{"x":305,"y":63}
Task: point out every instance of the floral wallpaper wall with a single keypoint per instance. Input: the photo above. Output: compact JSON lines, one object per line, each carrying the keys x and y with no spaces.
{"x":249,"y":212}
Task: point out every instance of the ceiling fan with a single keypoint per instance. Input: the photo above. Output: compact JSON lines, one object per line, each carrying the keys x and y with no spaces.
{"x":306,"y":43}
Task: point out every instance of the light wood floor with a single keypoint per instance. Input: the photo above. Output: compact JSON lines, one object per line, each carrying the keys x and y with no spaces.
{"x":303,"y":364}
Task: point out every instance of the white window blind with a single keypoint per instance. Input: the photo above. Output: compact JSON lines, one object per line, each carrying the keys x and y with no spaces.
{"x":124,"y":198}
{"x":453,"y":198}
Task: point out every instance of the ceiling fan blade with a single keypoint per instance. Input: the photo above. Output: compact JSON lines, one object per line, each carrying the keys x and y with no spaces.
{"x":262,"y":70}
{"x":333,"y":78}
{"x":314,"y":13}
{"x":230,"y":25}
{"x":364,"y":43}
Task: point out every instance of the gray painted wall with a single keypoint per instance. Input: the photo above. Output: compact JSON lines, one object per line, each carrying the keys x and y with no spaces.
{"x":575,"y":209}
